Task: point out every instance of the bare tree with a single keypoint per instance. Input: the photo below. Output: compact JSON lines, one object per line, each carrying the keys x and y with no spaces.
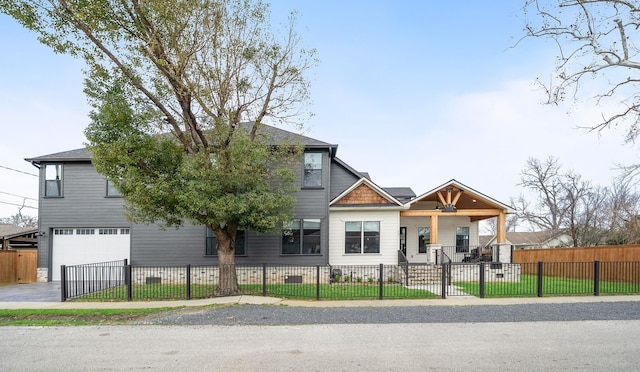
{"x":598,"y":52}
{"x":585,"y":213}
{"x":544,"y":179}
{"x":624,"y":204}
{"x":565,"y":204}
{"x":20,"y":219}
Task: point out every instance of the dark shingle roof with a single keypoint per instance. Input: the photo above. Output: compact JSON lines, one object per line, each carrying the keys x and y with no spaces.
{"x":77,"y":155}
{"x":400,"y":193}
{"x":279,"y":135}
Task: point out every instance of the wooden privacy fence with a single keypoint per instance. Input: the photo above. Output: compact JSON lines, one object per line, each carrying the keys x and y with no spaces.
{"x":617,"y":262}
{"x":18,"y":266}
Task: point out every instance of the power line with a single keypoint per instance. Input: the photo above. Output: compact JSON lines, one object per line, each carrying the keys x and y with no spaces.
{"x":18,"y":205}
{"x":19,"y":171}
{"x":18,"y":196}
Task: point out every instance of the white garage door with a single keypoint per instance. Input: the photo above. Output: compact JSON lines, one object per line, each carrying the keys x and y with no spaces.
{"x":75,"y":246}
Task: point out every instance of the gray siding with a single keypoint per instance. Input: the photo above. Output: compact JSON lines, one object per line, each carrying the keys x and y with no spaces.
{"x":83,"y":204}
{"x":341,"y":179}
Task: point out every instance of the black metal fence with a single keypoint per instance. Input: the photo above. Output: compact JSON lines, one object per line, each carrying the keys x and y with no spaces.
{"x":102,"y":278}
{"x":118,"y":281}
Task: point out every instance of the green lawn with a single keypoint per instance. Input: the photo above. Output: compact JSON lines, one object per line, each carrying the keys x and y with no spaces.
{"x":551,"y":286}
{"x":338,"y":291}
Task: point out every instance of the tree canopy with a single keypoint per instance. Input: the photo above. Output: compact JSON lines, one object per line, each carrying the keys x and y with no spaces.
{"x":180,"y":91}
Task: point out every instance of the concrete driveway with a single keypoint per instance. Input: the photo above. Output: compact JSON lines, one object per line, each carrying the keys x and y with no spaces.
{"x":32,"y":292}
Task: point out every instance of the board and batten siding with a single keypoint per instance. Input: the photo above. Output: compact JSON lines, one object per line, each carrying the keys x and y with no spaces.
{"x":83,"y":204}
{"x":389,"y":238}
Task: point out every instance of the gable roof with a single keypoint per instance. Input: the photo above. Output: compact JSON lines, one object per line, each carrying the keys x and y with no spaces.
{"x":351,"y":169}
{"x":525,"y":238}
{"x":470,"y":196}
{"x":279,"y":135}
{"x":364,"y":193}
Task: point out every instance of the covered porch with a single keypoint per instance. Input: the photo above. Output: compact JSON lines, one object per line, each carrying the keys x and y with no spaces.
{"x":442,"y":225}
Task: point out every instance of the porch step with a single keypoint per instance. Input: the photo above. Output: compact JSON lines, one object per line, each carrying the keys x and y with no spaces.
{"x":428,"y":274}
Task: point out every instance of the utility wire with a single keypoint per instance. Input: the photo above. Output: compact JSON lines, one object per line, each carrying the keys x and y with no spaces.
{"x":18,"y":196}
{"x":19,"y":171}
{"x":18,"y":205}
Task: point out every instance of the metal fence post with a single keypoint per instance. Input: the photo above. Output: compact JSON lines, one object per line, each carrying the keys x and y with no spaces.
{"x":127,"y":280}
{"x":540,"y":270}
{"x":482,"y":279}
{"x":380,"y":282}
{"x":317,"y":282}
{"x":264,"y":279}
{"x":444,"y":281}
{"x":596,"y":278}
{"x":63,"y":283}
{"x":188,"y":281}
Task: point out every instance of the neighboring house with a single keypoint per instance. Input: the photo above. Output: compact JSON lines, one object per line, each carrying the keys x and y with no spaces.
{"x":16,"y":237}
{"x":341,"y":217}
{"x":533,"y":240}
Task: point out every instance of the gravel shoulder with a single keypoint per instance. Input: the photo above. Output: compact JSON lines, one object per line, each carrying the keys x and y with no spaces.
{"x":248,"y":314}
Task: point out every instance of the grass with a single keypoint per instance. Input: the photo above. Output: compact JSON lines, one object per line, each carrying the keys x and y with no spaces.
{"x":555,"y":286}
{"x":526,"y":287}
{"x":341,"y":291}
{"x":73,"y":317}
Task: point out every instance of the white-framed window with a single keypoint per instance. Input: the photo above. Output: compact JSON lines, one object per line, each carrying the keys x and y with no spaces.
{"x":462,"y":239}
{"x":85,"y":231}
{"x":53,"y":180}
{"x":62,"y":231}
{"x":362,"y":237}
{"x":108,"y":231}
{"x":301,"y":236}
{"x":125,"y":231}
{"x":424,"y":239}
{"x":312,"y":169}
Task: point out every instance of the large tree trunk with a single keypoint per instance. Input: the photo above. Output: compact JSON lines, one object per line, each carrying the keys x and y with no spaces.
{"x":228,"y":280}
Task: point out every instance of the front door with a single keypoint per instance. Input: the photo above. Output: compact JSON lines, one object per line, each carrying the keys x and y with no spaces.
{"x":403,"y":240}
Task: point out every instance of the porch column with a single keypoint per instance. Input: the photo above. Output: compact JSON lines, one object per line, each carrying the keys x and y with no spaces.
{"x":501,"y":228}
{"x":433,"y":229}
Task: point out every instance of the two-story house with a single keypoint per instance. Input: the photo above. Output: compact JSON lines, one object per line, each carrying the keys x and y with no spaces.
{"x":341,"y":217}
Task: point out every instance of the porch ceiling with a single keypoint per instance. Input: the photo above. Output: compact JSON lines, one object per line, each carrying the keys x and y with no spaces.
{"x":467,"y":200}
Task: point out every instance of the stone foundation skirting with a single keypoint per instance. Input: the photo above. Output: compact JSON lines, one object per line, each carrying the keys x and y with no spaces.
{"x":42,"y":275}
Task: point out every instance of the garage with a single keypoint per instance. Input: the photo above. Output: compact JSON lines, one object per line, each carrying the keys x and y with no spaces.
{"x":75,"y":246}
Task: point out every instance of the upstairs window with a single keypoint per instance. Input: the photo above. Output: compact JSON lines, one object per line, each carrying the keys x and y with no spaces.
{"x":212,"y":243}
{"x":312,"y":169}
{"x":111,"y":190}
{"x":53,"y":180}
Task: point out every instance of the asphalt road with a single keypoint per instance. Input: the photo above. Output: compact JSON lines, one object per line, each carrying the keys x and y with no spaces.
{"x":511,"y":346}
{"x":594,"y":336}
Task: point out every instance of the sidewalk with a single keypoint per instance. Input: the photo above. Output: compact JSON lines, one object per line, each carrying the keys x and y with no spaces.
{"x":258,"y":300}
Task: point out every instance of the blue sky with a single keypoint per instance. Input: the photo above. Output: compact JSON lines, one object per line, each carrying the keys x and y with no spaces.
{"x":414,"y":92}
